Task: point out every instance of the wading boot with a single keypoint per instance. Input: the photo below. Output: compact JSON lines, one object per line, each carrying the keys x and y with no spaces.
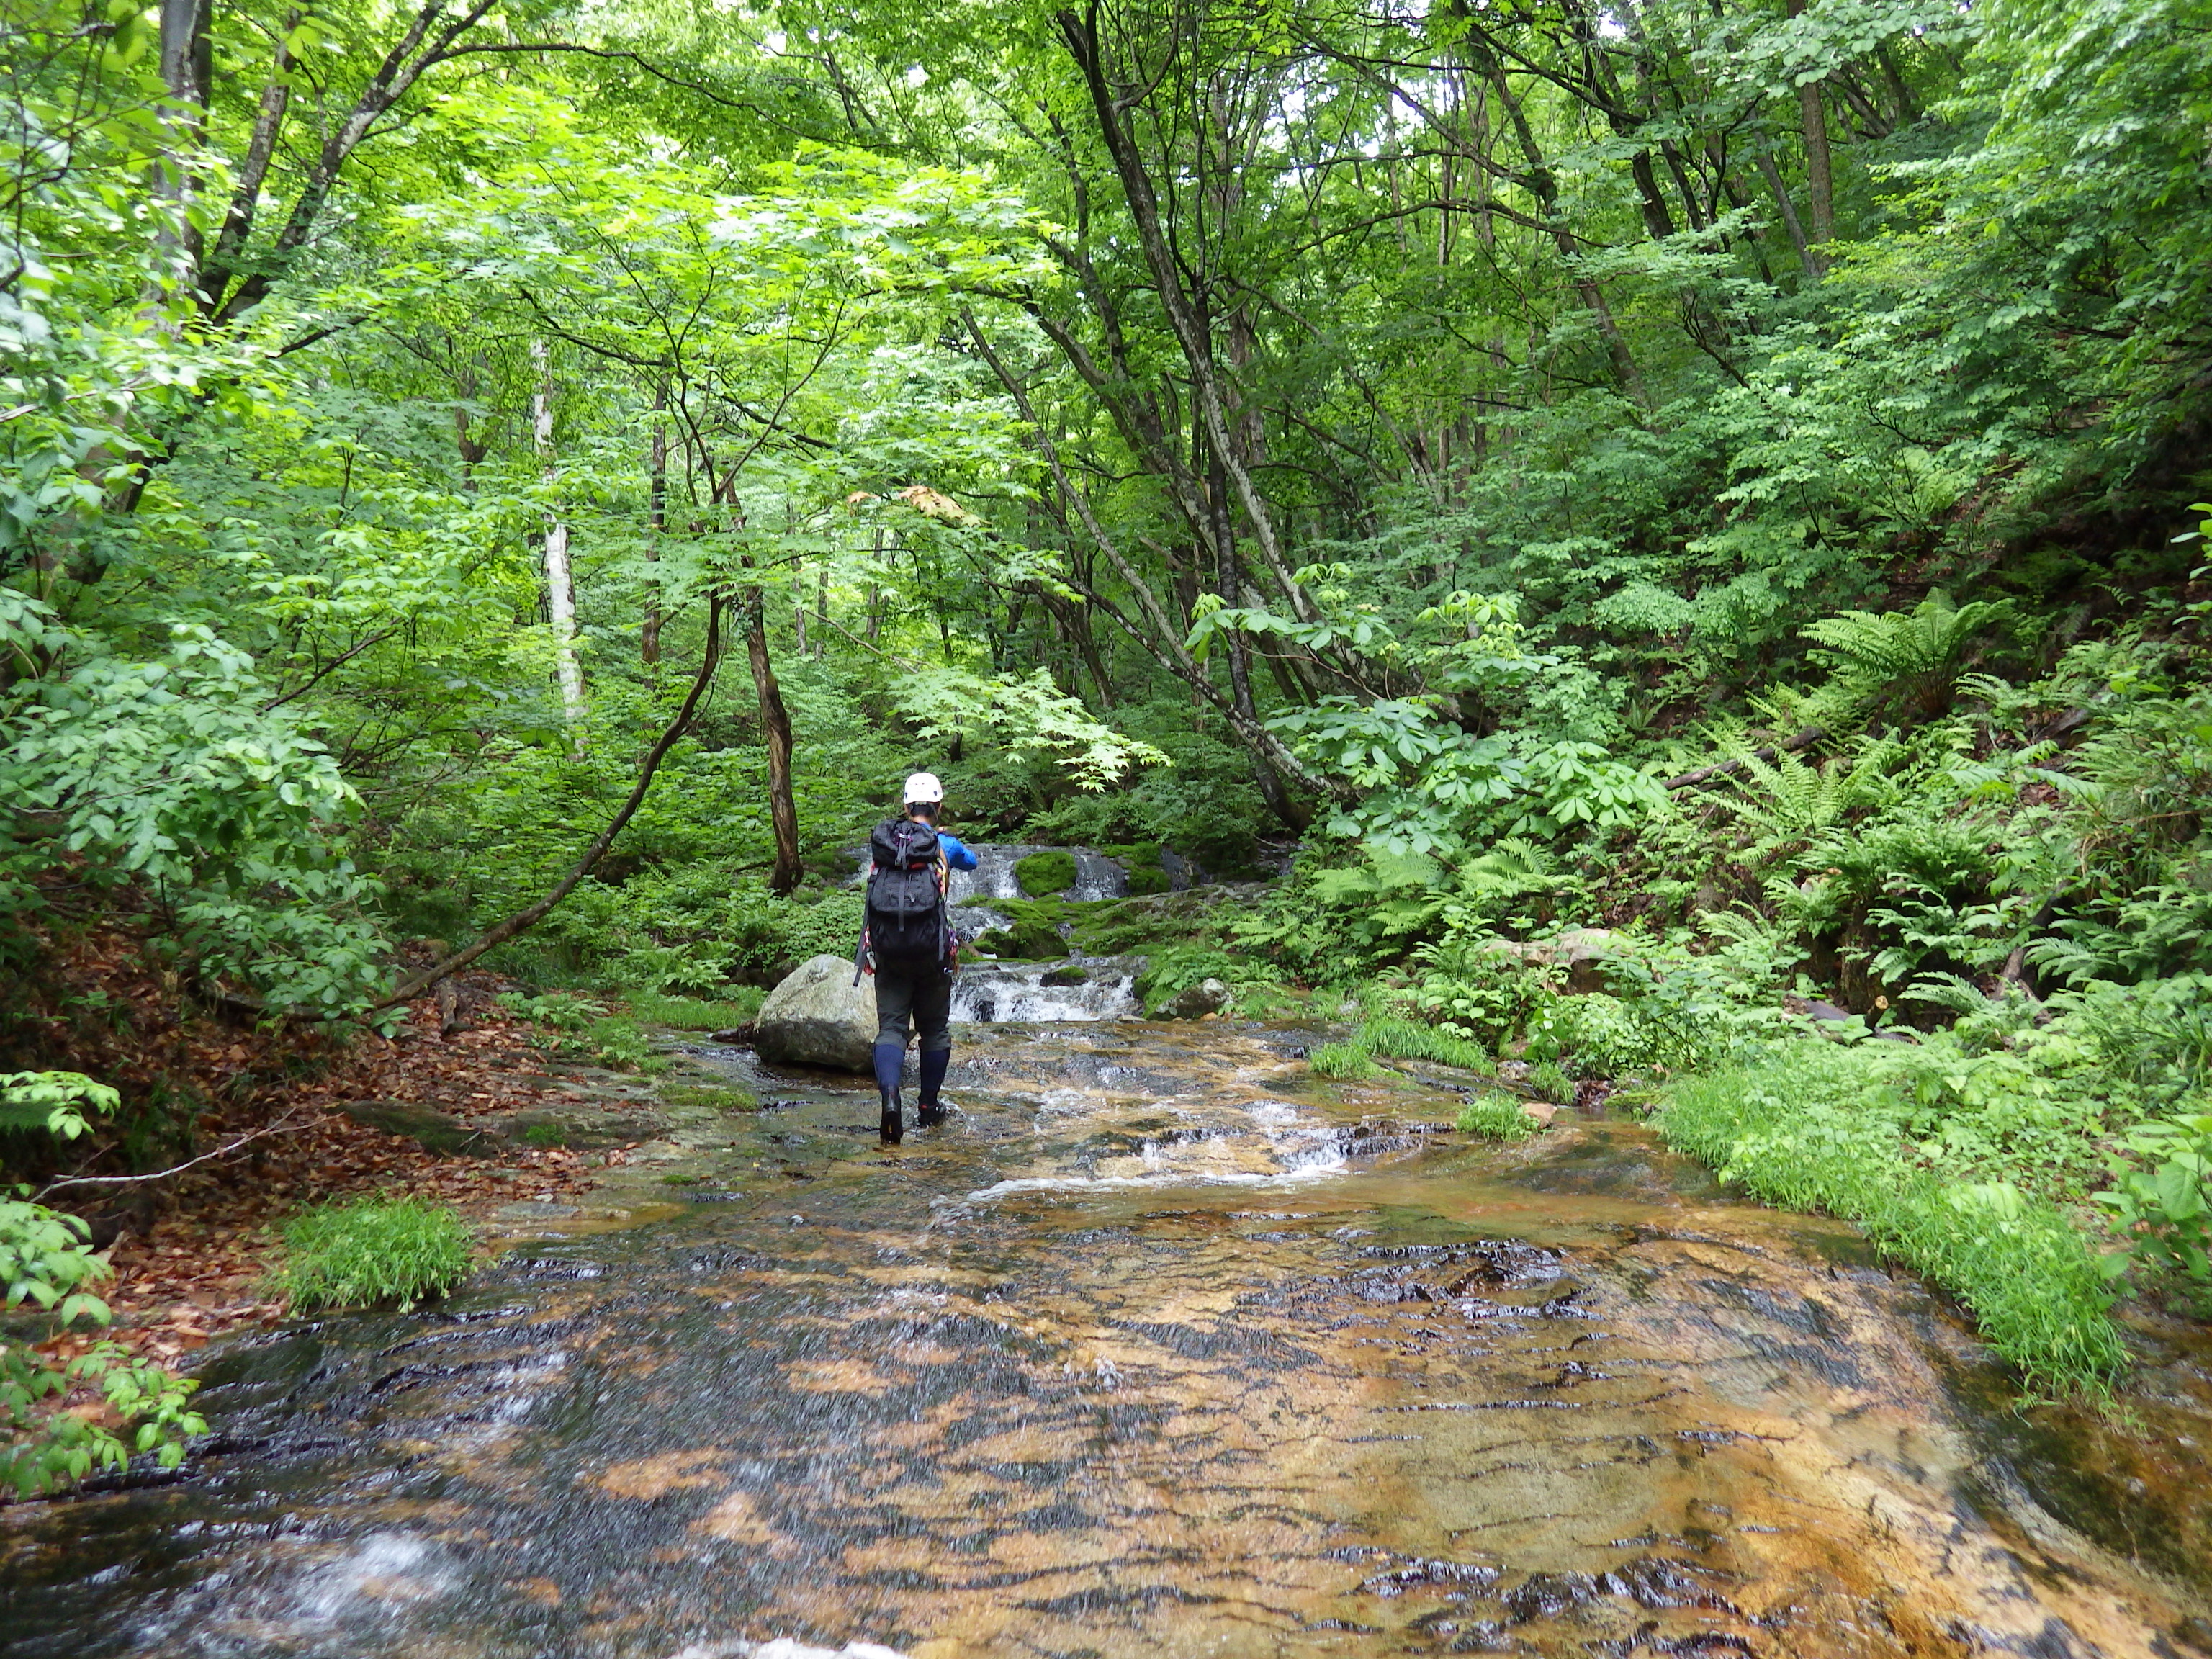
{"x":891,"y":1067}
{"x":930,"y":1111}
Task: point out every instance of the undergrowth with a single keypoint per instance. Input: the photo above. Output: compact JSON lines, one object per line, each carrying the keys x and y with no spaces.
{"x":1786,"y":1131}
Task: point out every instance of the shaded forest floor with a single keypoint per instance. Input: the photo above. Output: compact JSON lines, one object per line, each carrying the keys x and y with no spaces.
{"x":196,"y":1261}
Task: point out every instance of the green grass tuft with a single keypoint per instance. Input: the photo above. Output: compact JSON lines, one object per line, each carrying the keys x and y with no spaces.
{"x":2033,"y":1282}
{"x":717,"y":1097}
{"x":545,"y":1135}
{"x":679,"y":1013}
{"x":1499,"y":1117}
{"x":1405,"y":1039}
{"x":1551,"y":1084}
{"x":373,"y":1252}
{"x":1340,"y":1061}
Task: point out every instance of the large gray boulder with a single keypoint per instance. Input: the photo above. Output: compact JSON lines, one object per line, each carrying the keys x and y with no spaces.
{"x":818,"y":1016}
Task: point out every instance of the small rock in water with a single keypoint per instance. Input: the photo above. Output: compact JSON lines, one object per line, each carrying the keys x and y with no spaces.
{"x":1208,"y":996}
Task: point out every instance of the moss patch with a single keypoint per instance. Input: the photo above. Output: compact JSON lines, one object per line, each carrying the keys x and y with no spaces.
{"x":1042,"y":875}
{"x":715,"y":1097}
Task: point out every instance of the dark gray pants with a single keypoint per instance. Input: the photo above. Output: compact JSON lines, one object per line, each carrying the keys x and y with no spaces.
{"x":914,"y":994}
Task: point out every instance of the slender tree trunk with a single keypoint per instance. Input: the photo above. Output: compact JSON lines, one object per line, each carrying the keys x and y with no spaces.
{"x":1240,"y":665}
{"x":1545,"y":187}
{"x":187,"y":74}
{"x":1820,"y":181}
{"x":559,"y":580}
{"x":775,"y":728}
{"x":1764,"y":154}
{"x":656,"y":524}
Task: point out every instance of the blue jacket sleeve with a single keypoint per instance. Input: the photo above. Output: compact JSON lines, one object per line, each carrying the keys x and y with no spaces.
{"x":955,"y":853}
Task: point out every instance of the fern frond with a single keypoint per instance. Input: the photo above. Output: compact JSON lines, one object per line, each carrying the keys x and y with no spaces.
{"x":1917,"y":656}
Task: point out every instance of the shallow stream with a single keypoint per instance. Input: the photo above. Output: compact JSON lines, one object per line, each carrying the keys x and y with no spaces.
{"x":1160,"y":1347}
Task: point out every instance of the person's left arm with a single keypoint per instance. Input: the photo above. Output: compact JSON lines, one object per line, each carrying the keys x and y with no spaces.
{"x":955,"y":852}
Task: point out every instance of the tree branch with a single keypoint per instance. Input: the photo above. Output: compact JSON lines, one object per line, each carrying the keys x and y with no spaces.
{"x":529,"y":916}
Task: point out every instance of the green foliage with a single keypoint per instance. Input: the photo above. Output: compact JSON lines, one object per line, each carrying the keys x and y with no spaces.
{"x":54,"y":1102}
{"x":1046,"y":874}
{"x":1496,"y":1117}
{"x":1790,"y":1130}
{"x":1340,"y":1062}
{"x":720,"y":1097}
{"x":740,"y":1007}
{"x":1911,"y":660}
{"x":167,"y":780}
{"x":45,"y":1259}
{"x":546,"y":1136}
{"x":2159,"y":1204}
{"x":1551,"y":1083}
{"x":1406,"y":1039}
{"x":578,"y":1028}
{"x":373,"y":1252}
{"x":1170,"y":972}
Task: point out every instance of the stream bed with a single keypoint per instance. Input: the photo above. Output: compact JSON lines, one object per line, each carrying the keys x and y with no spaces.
{"x":1160,"y":1346}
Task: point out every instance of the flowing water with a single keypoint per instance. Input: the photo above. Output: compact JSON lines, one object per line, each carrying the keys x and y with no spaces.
{"x":1160,"y":1347}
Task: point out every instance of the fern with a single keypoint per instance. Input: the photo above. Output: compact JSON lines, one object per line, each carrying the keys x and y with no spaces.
{"x":1916,"y":658}
{"x":1788,"y":801}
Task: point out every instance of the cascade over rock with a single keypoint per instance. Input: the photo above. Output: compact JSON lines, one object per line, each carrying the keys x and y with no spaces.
{"x":818,"y":1016}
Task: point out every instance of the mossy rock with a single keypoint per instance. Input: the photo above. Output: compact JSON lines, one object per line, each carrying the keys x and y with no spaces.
{"x":1042,"y":875}
{"x":1028,"y":941}
{"x":1145,"y":879}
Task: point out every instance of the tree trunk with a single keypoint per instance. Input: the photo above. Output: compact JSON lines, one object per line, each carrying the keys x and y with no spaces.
{"x":656,"y":523}
{"x":775,"y":728}
{"x":1819,"y":181}
{"x":1544,"y":186}
{"x":559,"y":580}
{"x":1764,"y":154}
{"x":1240,"y":665}
{"x":187,"y":74}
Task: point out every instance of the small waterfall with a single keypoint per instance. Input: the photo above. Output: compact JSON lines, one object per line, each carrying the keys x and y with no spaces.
{"x":1097,"y":987}
{"x":1096,"y":876}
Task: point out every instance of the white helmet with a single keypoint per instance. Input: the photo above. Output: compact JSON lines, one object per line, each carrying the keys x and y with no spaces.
{"x":923,"y":789}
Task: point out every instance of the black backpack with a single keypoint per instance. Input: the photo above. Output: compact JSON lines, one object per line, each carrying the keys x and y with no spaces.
{"x":906,"y":904}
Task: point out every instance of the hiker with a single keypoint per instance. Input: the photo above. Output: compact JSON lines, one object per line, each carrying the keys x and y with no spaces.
{"x":907,"y":944}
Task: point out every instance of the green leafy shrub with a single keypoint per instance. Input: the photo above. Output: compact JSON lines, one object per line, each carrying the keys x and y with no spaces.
{"x":557,"y":1011}
{"x":2159,"y":1203}
{"x":1551,"y":1083}
{"x":1913,"y":660}
{"x":45,"y":1260}
{"x":373,"y":1252}
{"x":1496,"y":1117}
{"x":54,"y":1102}
{"x":1169,"y":973}
{"x":582,"y":1028}
{"x":1047,"y":874}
